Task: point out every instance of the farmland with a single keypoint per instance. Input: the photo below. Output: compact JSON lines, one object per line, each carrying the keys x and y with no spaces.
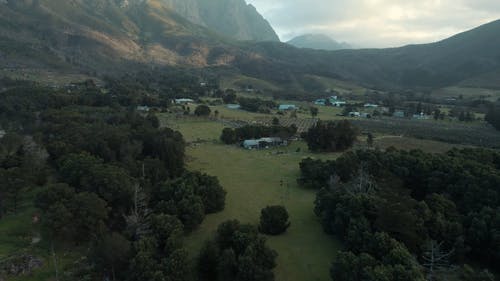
{"x":255,"y":179}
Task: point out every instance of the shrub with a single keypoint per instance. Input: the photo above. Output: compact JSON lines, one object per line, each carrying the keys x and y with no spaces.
{"x":274,"y":220}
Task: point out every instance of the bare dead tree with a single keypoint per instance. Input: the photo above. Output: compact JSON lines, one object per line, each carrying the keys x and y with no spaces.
{"x":362,"y":183}
{"x":436,"y":259}
{"x":138,"y":219}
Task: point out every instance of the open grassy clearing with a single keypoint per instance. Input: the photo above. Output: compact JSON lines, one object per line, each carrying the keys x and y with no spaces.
{"x":467,"y":93}
{"x":255,"y":179}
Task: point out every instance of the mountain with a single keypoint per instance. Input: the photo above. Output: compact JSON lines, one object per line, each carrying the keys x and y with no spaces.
{"x":448,"y":62}
{"x":231,"y":18}
{"x":318,"y":42}
{"x":98,"y":37}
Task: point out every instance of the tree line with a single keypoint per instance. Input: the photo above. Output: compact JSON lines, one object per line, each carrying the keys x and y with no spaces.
{"x":232,"y":136}
{"x":397,"y":210}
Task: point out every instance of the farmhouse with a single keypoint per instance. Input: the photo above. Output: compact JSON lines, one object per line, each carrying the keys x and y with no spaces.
{"x":233,"y":106}
{"x":354,"y":114}
{"x":421,"y":116}
{"x":143,"y":108}
{"x":183,"y":101}
{"x":284,"y":107}
{"x":320,"y":102}
{"x":399,"y":114}
{"x":263,"y":143}
{"x":338,"y":103}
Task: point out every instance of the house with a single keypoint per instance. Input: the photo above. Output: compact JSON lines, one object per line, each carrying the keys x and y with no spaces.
{"x":370,"y":105}
{"x":334,"y":98}
{"x":421,"y":116}
{"x":338,"y":103}
{"x":183,"y":101}
{"x":320,"y":102}
{"x":366,"y":115}
{"x":284,"y":107}
{"x":233,"y":106}
{"x":143,"y":108}
{"x":251,"y":144}
{"x":399,"y":114}
{"x":354,"y":114}
{"x":263,"y":143}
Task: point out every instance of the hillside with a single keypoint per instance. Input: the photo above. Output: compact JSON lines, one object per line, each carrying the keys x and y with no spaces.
{"x":98,"y":37}
{"x":318,"y":42}
{"x":448,"y":62}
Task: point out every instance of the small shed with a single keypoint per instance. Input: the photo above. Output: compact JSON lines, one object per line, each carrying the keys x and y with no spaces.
{"x":183,"y":101}
{"x":251,"y":144}
{"x":284,"y":107}
{"x":233,"y":106}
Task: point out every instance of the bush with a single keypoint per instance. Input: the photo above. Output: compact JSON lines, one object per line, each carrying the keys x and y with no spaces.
{"x":331,"y":136}
{"x":274,"y":220}
{"x":202,"y":110}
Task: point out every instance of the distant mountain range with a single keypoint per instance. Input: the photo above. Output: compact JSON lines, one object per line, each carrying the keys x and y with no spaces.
{"x":318,"y":42}
{"x":99,"y":37}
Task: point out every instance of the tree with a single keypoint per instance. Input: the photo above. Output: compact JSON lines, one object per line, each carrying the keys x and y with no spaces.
{"x":112,"y":253}
{"x":274,"y":220}
{"x":435,"y":259}
{"x":331,"y":136}
{"x":229,"y":97}
{"x":493,"y":116}
{"x":228,"y":136}
{"x":314,"y":111}
{"x":276,"y":121}
{"x":202,"y":110}
{"x":370,"y":139}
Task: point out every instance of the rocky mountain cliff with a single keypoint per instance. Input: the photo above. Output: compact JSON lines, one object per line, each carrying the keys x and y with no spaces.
{"x":232,"y":18}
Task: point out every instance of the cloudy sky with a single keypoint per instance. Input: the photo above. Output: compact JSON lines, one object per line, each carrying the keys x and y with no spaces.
{"x":377,"y":23}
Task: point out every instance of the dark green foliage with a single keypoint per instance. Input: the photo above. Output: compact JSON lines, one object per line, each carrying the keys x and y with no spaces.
{"x":331,"y":136}
{"x":274,"y":220}
{"x":190,"y":198}
{"x":232,"y":136}
{"x":229,"y":98}
{"x":256,"y":105}
{"x":228,"y":136}
{"x":72,"y":216}
{"x":493,"y":116}
{"x":417,"y":197}
{"x":112,"y":254}
{"x":238,"y":253}
{"x":314,"y":111}
{"x":202,"y":110}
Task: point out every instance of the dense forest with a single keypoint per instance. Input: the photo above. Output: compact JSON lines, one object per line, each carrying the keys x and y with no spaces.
{"x":111,"y":181}
{"x":409,"y":215}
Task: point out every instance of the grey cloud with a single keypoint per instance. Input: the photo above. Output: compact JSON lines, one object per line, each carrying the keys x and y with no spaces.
{"x":377,"y":23}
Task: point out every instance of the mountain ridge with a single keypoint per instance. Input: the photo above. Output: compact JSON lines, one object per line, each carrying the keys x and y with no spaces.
{"x":108,"y":37}
{"x":318,"y":42}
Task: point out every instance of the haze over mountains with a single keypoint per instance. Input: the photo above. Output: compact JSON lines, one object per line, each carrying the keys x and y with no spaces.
{"x":318,"y":42}
{"x":115,"y":36}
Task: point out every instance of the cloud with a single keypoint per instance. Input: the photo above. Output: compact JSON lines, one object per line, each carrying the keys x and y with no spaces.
{"x":377,"y":23}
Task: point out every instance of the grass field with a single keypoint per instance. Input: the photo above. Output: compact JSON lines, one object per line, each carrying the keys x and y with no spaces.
{"x":254,"y":180}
